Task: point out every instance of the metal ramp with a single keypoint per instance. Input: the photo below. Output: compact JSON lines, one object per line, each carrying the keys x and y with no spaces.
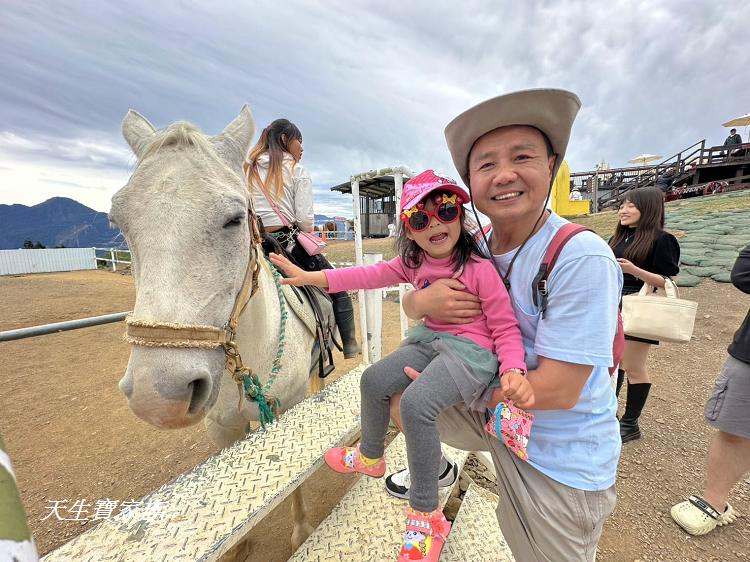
{"x":476,"y":534}
{"x":206,"y":511}
{"x":368,"y":524}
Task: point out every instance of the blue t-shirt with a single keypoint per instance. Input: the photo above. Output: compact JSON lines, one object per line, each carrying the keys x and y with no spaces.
{"x":579,"y":447}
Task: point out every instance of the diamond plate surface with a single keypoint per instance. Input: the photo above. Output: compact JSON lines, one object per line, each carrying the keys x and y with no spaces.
{"x":210,"y":508}
{"x":368,"y":524}
{"x":476,"y":534}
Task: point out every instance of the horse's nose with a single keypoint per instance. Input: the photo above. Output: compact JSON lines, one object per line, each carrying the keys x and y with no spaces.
{"x":170,"y":388}
{"x":200,"y":391}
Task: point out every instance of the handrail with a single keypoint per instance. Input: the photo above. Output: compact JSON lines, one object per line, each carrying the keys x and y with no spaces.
{"x":32,"y":331}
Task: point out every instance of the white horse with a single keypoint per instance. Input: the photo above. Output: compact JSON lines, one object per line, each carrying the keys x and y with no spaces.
{"x":189,"y":222}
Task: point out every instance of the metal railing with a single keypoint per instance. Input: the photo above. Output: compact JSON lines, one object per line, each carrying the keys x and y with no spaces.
{"x":604,"y":187}
{"x":56,"y":327}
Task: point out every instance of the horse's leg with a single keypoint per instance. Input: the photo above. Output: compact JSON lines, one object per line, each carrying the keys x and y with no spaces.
{"x":302,"y":528}
{"x":221,"y":435}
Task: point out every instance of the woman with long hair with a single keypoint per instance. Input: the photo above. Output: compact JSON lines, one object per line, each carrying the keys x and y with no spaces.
{"x":647,"y":254}
{"x":279,"y":184}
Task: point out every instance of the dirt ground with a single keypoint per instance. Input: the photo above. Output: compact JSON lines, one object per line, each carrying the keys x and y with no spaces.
{"x":72,"y":437}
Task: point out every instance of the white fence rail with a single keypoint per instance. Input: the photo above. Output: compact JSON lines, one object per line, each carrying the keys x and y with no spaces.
{"x":113,"y":259}
{"x":335,"y":234}
{"x":19,"y":262}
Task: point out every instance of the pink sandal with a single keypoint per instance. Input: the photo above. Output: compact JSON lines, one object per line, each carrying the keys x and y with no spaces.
{"x":425,"y":536}
{"x":346,"y":460}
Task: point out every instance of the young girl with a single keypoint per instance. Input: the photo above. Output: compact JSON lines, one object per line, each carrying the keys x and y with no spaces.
{"x":646,"y":253}
{"x":458,"y":362}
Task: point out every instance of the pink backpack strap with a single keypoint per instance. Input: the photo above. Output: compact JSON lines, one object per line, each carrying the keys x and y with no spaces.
{"x":561,"y":237}
{"x":540,"y":290}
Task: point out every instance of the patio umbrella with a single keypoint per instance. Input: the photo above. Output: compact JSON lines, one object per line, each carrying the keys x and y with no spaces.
{"x":743,"y":121}
{"x":644,"y":159}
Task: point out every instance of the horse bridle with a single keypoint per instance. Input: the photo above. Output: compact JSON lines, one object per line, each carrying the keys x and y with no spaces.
{"x":152,"y":333}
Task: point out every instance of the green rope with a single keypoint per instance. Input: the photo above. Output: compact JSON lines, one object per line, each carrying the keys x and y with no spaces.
{"x":254,"y":392}
{"x":251,"y":385}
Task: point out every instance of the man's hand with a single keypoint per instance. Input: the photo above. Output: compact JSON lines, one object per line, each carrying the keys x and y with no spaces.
{"x":557,"y":385}
{"x":446,"y":300}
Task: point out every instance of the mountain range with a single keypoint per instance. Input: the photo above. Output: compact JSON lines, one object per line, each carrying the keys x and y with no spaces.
{"x":61,"y":221}
{"x":56,"y":222}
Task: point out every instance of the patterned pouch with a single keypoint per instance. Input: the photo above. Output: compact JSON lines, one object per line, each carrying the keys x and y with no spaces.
{"x":514,"y":427}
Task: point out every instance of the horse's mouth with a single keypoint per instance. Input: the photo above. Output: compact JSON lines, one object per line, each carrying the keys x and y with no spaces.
{"x":167,"y":414}
{"x":149,"y":404}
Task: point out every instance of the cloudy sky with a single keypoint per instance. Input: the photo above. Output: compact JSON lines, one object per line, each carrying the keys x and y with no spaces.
{"x":370,"y":84}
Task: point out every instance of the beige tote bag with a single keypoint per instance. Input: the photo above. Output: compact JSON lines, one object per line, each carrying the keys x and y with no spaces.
{"x":655,"y":317}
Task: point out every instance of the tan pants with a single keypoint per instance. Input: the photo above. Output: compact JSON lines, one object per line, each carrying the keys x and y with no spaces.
{"x":541,"y":519}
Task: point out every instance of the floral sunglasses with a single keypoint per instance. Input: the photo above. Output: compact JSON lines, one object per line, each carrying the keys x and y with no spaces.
{"x":446,"y":211}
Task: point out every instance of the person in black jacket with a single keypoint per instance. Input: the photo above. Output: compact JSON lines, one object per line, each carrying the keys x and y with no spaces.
{"x":728,"y":410}
{"x":733,"y":138}
{"x":646,"y":253}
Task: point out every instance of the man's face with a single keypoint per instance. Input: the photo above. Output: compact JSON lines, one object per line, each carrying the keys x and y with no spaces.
{"x":510,"y":173}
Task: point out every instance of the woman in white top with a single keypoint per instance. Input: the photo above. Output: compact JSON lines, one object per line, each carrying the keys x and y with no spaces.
{"x":274,"y":171}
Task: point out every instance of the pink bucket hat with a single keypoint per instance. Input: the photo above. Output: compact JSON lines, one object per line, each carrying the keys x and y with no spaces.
{"x":419,"y":187}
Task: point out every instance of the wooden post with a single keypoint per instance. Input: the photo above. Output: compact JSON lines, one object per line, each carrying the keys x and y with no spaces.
{"x":595,"y":192}
{"x":113,"y":257}
{"x":359,"y":261}
{"x":374,"y":312}
{"x":398,"y":183}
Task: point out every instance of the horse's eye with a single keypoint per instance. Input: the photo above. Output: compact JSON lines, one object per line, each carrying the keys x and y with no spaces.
{"x":236,"y":221}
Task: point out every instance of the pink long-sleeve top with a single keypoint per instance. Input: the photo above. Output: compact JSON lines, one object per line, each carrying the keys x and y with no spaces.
{"x":495,"y":329}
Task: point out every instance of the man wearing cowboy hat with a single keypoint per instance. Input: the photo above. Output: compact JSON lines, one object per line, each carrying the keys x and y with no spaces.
{"x":553,"y":507}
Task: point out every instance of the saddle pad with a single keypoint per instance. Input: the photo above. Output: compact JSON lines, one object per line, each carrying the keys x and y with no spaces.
{"x":298,"y":303}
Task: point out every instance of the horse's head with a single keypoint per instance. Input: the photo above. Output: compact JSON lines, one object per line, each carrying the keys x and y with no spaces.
{"x":184,"y":214}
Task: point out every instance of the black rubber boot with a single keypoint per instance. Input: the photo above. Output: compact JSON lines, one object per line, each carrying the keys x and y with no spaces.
{"x":637,"y":395}
{"x":620,"y":380}
{"x":343,"y":310}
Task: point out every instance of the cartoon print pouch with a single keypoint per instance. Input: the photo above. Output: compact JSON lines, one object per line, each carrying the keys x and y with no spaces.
{"x":512,"y":426}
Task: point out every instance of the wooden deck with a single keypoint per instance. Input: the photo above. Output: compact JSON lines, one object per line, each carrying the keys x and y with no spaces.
{"x":696,"y":167}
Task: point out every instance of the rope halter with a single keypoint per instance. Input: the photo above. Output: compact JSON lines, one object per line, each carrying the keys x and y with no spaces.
{"x":150,"y":333}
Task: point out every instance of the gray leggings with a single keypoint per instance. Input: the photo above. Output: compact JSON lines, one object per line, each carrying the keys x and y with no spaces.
{"x":422,"y":402}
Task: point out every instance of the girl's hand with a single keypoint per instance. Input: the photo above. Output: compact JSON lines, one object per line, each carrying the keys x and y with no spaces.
{"x":296,"y":275}
{"x":627,"y":266}
{"x":516,"y":387}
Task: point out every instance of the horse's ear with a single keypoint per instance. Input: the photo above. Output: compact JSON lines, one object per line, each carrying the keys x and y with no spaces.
{"x":137,"y":131}
{"x":234,"y":141}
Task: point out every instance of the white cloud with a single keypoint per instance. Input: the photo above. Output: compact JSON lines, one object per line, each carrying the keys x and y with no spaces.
{"x":371,"y":84}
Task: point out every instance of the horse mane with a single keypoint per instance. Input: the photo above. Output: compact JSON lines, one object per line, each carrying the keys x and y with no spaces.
{"x":180,"y":134}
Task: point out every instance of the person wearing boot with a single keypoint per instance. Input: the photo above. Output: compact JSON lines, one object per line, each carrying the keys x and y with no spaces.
{"x":280,"y":185}
{"x":647,"y":254}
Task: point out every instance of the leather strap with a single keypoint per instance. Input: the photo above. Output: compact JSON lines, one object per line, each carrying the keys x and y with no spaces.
{"x":704,"y":506}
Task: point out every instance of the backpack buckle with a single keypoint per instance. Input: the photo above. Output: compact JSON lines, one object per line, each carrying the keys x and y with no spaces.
{"x":542,"y":287}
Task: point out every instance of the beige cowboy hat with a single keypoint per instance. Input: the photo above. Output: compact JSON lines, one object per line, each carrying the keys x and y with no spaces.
{"x":549,"y":110}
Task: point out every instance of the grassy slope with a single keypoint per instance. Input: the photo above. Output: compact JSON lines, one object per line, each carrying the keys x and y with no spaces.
{"x":601,"y":223}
